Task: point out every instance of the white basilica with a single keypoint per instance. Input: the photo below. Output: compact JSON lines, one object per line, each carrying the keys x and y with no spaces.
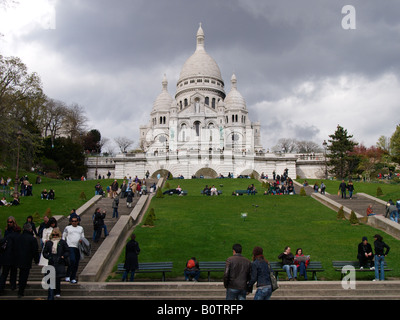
{"x":201,"y":116}
{"x":201,"y":131}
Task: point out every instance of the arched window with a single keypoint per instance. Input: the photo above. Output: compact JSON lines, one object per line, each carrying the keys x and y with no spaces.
{"x":213,"y":103}
{"x":207,"y":101}
{"x":197,"y":128}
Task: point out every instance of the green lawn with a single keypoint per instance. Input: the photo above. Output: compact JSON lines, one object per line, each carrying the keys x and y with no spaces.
{"x":67,"y":197}
{"x":207,"y":227}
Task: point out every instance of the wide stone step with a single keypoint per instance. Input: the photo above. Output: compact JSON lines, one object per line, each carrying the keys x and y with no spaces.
{"x":313,"y":290}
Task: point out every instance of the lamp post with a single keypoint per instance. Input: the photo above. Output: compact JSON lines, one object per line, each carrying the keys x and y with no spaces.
{"x":325,"y":144}
{"x":19,"y":135}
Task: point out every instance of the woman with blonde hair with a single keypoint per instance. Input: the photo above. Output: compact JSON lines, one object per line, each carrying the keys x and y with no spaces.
{"x":56,"y":251}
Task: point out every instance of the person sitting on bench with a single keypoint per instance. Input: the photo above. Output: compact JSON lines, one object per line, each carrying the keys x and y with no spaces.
{"x":365,"y":255}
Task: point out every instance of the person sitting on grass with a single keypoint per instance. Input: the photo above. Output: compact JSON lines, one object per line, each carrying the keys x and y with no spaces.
{"x":15,"y":201}
{"x":51,"y":194}
{"x":4,"y":202}
{"x":214,"y":191}
{"x":44,"y":194}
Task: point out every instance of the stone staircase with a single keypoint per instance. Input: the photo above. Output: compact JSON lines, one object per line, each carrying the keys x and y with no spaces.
{"x":301,"y":290}
{"x":87,"y":224}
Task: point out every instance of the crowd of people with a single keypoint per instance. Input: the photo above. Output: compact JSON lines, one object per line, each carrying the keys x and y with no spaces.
{"x":44,"y":245}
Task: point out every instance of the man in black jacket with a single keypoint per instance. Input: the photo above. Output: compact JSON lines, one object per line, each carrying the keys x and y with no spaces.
{"x":342,"y":189}
{"x":237,"y":274}
{"x":8,"y":254}
{"x":27,"y":250}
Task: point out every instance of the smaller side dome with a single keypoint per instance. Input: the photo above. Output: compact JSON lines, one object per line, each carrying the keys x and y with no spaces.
{"x":234,"y":100}
{"x":164,"y":99}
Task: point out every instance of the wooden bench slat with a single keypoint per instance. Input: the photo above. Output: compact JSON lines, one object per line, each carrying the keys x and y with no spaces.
{"x":150,"y":267}
{"x":338,"y":266}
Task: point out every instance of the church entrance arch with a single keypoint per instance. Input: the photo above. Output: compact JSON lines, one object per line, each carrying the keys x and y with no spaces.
{"x":163,"y":173}
{"x":249,"y":173}
{"x":207,"y":173}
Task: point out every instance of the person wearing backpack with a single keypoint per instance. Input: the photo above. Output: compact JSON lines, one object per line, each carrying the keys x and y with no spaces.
{"x":192,"y":269}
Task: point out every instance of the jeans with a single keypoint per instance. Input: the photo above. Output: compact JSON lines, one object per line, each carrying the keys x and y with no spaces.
{"x":235,"y":294}
{"x":302,"y":270}
{"x":115,"y":213}
{"x":394,"y":216}
{"x":74,"y":257}
{"x":263,"y":293}
{"x":125,"y":276}
{"x":194,"y":274}
{"x":379,"y":262}
{"x":287,"y":268}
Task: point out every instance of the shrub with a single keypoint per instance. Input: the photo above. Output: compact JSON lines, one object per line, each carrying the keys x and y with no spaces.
{"x":159,"y":193}
{"x":82,"y":196}
{"x":48,"y":213}
{"x":36,"y":217}
{"x":340,"y":214}
{"x":303,"y":192}
{"x":379,"y":192}
{"x":264,"y":185}
{"x":150,"y":218}
{"x":167,"y":186}
{"x":152,"y":214}
{"x":353,"y":218}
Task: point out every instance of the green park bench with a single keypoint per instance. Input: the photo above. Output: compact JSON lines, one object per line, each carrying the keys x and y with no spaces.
{"x":338,"y":266}
{"x":212,"y":266}
{"x":313,"y":267}
{"x":150,"y":267}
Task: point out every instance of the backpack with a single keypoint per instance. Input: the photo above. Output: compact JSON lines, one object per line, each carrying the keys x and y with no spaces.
{"x":191,"y":264}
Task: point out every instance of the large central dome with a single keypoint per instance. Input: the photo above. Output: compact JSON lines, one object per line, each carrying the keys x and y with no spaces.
{"x":200,"y":63}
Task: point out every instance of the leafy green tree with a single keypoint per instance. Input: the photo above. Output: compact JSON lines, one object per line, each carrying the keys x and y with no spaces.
{"x":395,"y":145}
{"x":21,"y":101}
{"x":340,"y":157}
{"x":67,"y":154}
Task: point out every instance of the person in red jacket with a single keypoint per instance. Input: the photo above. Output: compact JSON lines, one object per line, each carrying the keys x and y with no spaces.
{"x":301,"y":261}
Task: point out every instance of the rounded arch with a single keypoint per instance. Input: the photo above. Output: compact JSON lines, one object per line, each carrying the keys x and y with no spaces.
{"x":207,"y":173}
{"x":163,"y":173}
{"x":250,"y":172}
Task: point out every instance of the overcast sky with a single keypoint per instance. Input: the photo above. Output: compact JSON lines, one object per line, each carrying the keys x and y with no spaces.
{"x":300,"y":72}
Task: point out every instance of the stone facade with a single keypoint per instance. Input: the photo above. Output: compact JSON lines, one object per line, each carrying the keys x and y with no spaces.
{"x":201,"y":131}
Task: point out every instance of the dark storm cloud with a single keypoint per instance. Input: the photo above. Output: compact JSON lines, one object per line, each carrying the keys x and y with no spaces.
{"x":289,"y":57}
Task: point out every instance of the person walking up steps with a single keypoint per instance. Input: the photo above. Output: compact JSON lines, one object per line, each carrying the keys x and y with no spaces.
{"x":115,"y":207}
{"x":73,"y":234}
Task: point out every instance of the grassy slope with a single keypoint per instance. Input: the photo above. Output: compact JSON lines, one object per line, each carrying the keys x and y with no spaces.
{"x":207,"y":227}
{"x":67,"y":197}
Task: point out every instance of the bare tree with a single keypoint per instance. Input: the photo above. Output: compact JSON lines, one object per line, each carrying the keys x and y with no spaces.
{"x":75,"y":122}
{"x":285,"y":145}
{"x":53,"y":118}
{"x":306,"y":146}
{"x":123,"y":143}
